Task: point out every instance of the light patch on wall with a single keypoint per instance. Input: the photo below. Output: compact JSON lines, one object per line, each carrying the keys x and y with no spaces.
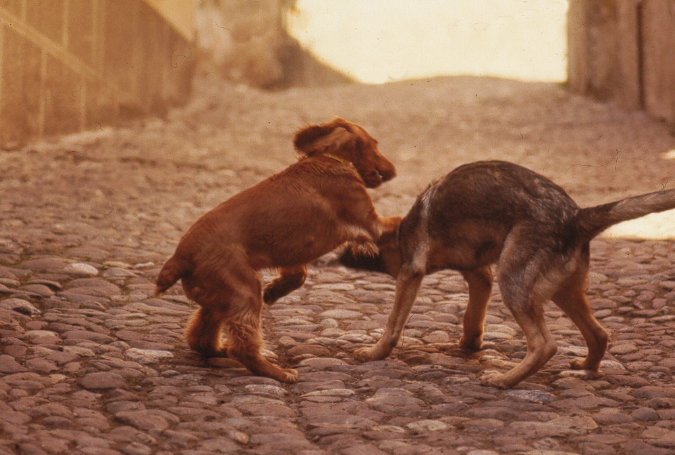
{"x":656,"y":226}
{"x":178,"y":13}
{"x":378,"y":41}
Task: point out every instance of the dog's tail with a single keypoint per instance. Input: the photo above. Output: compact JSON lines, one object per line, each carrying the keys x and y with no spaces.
{"x":173,"y":270}
{"x":592,"y":221}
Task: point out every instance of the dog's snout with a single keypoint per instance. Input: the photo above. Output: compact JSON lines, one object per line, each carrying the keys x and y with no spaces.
{"x":388,"y":174}
{"x":386,"y":170}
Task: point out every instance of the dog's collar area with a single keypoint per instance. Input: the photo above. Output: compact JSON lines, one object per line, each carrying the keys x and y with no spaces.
{"x":336,"y":158}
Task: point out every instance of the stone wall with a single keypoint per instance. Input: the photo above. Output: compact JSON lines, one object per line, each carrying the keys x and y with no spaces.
{"x":247,"y":42}
{"x":658,"y":58}
{"x":77,"y":64}
{"x":624,"y":51}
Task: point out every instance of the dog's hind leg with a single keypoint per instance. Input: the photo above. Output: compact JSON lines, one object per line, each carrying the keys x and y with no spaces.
{"x":540,"y":343}
{"x":204,"y":329}
{"x":571,"y":298}
{"x":480,"y":287}
{"x":407,"y":285}
{"x":243,"y":326}
{"x":289,"y":279}
{"x":527,"y":280}
{"x":204,"y":332}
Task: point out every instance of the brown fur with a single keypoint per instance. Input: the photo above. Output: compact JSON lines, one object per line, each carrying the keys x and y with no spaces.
{"x":283,"y":222}
{"x":497,"y":212}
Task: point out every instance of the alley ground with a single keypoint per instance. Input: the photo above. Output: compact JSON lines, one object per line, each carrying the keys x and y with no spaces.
{"x":91,"y":362}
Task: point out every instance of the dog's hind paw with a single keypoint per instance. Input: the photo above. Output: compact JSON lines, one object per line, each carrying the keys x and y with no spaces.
{"x":288,"y":376}
{"x":365,"y":354}
{"x":261,"y":367}
{"x":493,"y":378}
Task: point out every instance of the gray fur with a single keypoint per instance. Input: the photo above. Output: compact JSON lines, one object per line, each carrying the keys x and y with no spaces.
{"x":497,"y":212}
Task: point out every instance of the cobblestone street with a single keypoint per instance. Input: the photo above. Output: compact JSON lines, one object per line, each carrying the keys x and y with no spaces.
{"x":91,"y":362}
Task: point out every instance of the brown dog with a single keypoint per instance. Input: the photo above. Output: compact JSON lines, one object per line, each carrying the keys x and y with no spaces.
{"x":283,"y":222}
{"x":496,"y":212}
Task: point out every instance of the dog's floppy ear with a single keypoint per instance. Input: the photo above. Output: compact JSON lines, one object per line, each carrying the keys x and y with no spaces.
{"x":322,"y":138}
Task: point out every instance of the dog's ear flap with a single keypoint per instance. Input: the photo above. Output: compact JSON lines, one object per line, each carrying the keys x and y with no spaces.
{"x":322,"y":138}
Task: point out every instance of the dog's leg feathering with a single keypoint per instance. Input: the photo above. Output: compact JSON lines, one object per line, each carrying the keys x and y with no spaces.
{"x":243,"y":327}
{"x":204,"y":333}
{"x":244,"y":343}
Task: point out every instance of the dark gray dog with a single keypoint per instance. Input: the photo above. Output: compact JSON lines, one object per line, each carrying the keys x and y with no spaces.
{"x":496,"y":212}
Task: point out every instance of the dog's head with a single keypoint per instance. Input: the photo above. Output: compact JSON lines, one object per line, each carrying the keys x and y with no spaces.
{"x":387,"y":260}
{"x":349,"y":142}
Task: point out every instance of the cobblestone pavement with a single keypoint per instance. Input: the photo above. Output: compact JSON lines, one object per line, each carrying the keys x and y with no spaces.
{"x":92,"y":363}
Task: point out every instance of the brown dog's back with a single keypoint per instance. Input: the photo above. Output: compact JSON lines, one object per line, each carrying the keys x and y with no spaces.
{"x":264,"y":220}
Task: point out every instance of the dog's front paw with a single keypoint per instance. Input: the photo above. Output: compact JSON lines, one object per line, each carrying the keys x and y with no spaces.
{"x":364,"y":248}
{"x":471,"y":344}
{"x":493,"y":378}
{"x":582,"y":364}
{"x":270,"y":294}
{"x":577,"y":364}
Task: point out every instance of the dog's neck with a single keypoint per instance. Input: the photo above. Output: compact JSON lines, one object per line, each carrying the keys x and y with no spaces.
{"x":336,"y":158}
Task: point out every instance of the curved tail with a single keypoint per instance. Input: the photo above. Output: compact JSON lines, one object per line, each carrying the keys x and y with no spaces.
{"x":592,"y":221}
{"x":173,"y":270}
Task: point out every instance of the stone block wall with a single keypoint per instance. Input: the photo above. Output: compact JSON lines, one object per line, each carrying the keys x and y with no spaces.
{"x":247,"y":42}
{"x":67,"y":65}
{"x":624,"y":51}
{"x":658,"y":58}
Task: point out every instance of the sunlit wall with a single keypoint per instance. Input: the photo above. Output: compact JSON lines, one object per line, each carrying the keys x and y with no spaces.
{"x":378,"y":41}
